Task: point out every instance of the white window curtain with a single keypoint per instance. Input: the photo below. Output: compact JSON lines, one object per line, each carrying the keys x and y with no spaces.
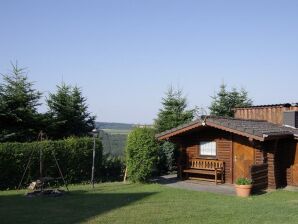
{"x":208,"y":148}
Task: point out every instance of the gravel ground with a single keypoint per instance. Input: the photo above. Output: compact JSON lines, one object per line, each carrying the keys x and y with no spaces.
{"x":172,"y":181}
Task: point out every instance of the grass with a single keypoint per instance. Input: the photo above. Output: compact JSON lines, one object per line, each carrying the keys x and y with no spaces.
{"x":152,"y":203}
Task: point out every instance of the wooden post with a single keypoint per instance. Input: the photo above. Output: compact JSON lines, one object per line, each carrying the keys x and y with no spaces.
{"x":93,"y":160}
{"x":125,"y":175}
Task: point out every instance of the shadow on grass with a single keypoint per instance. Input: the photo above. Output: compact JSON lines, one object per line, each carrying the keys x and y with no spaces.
{"x":74,"y":207}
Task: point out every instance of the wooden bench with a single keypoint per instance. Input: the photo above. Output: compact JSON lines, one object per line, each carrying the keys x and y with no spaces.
{"x":206,"y":167}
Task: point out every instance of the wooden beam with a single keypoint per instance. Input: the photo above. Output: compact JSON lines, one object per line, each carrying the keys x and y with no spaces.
{"x":179,"y":131}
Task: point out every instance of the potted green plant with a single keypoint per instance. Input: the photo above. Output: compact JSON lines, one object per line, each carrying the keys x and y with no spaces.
{"x":243,"y":187}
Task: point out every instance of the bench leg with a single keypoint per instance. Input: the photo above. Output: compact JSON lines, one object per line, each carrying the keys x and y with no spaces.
{"x":222,"y":175}
{"x":215,"y":177}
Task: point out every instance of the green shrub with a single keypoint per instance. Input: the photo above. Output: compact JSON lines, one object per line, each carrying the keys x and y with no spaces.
{"x":166,"y":157}
{"x":74,"y":156}
{"x":243,"y":181}
{"x":141,"y":154}
{"x":112,"y":168}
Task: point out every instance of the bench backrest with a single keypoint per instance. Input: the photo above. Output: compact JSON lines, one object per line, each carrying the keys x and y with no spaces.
{"x":205,"y":164}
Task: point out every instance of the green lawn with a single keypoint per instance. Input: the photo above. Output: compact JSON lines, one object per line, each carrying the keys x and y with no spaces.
{"x":152,"y":203}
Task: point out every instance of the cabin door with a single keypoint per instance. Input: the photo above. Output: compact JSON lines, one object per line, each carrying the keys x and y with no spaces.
{"x":243,"y":158}
{"x":295,"y":168}
{"x":295,"y":174}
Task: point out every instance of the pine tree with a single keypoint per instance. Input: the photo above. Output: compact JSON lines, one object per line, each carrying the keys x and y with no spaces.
{"x":224,"y":101}
{"x":19,"y":118}
{"x":174,"y":111}
{"x":69,"y":113}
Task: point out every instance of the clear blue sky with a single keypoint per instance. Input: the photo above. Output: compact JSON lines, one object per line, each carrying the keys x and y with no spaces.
{"x":125,"y":54}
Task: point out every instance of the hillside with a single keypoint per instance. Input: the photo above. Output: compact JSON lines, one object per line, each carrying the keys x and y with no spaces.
{"x":114,"y":136}
{"x":114,"y":126}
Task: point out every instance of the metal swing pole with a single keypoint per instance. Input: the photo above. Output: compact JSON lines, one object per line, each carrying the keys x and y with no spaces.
{"x":94,"y":132}
{"x":27,"y":166}
{"x":93,"y":160}
{"x":29,"y":161}
{"x":60,"y":172}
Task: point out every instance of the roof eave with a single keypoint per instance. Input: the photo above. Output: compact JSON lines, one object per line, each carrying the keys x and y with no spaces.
{"x":275,"y":137}
{"x":170,"y":134}
{"x":195,"y":124}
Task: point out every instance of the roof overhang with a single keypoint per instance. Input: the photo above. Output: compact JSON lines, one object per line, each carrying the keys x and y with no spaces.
{"x":177,"y":131}
{"x":201,"y":124}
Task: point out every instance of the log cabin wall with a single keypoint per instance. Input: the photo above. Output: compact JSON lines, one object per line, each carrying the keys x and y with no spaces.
{"x":282,"y":159}
{"x":274,"y":152}
{"x":259,"y":176}
{"x":271,"y":170}
{"x":273,"y":114}
{"x":259,"y":156}
{"x":288,"y":162}
{"x":191,"y":146}
{"x":279,"y":158}
{"x":270,"y":153}
{"x":224,"y":153}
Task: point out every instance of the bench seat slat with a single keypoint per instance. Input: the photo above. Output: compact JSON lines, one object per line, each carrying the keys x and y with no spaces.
{"x":199,"y":171}
{"x":204,"y":166}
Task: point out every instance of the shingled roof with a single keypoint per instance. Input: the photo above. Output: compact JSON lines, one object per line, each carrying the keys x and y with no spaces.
{"x":255,"y":129}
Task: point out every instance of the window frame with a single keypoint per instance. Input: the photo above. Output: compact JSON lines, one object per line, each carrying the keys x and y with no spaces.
{"x":207,"y":156}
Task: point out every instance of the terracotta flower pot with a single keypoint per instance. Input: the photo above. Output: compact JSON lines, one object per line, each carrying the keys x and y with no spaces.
{"x":243,"y":190}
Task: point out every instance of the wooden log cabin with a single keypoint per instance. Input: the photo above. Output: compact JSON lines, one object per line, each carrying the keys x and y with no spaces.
{"x":260,"y":142}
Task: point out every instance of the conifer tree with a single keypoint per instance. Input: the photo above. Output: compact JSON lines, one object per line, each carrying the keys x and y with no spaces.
{"x":69,"y":113}
{"x":173,"y":112}
{"x":224,"y":101}
{"x":19,"y":119}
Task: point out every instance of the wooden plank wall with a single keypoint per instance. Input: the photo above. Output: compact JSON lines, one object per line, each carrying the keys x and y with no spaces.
{"x":259,"y":176}
{"x":224,"y":148}
{"x":271,"y":170}
{"x":271,"y":114}
{"x":224,"y":153}
{"x":259,"y":156}
{"x":268,"y":149}
{"x":287,"y":161}
{"x":280,"y":157}
{"x":192,"y":151}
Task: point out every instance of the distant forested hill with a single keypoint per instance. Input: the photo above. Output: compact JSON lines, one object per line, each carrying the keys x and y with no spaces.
{"x":114,"y":136}
{"x":112,"y":125}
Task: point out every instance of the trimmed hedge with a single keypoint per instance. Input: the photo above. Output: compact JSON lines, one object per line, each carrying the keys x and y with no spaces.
{"x":74,"y":156}
{"x":141,"y":154}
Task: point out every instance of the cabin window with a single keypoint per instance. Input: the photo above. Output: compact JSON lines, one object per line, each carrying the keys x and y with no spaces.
{"x":208,"y":148}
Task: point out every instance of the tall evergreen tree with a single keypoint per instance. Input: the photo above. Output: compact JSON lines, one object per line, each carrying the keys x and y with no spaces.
{"x":224,"y":101}
{"x":173,"y":111}
{"x":172,"y":114}
{"x":19,"y":119}
{"x":69,"y":113}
